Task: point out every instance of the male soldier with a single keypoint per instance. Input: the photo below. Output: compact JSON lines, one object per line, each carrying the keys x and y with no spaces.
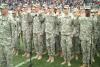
{"x":86,"y":27}
{"x":76,"y":40}
{"x":98,"y":31}
{"x":58,"y":34}
{"x":26,"y":29}
{"x":94,"y":33}
{"x":50,"y":33}
{"x":38,"y":30}
{"x":33,"y":14}
{"x":5,"y":38}
{"x":66,"y":26}
{"x":16,"y":32}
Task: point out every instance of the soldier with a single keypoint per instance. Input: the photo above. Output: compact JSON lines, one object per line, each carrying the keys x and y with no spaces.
{"x":44,"y":12}
{"x":16,"y":32}
{"x":33,"y":14}
{"x":76,"y":40}
{"x":98,"y":31}
{"x":66,"y":26}
{"x":58,"y":34}
{"x":86,"y":27}
{"x":94,"y":33}
{"x":38,"y":31}
{"x":6,"y":23}
{"x":50,"y":33}
{"x":26,"y":29}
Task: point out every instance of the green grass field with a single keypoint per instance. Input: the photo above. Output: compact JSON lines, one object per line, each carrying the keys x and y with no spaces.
{"x":42,"y":63}
{"x":58,"y":60}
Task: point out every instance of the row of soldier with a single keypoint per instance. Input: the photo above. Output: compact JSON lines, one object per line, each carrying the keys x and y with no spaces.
{"x":50,"y":28}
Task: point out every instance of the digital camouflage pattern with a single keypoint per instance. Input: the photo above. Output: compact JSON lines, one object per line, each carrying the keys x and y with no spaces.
{"x":5,"y":41}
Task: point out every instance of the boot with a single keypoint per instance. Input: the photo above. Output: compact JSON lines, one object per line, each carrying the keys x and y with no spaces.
{"x":40,"y":57}
{"x":49,"y":59}
{"x":84,"y":65}
{"x":36,"y":57}
{"x":52,"y":59}
{"x":69,"y":64}
{"x":24,"y":54}
{"x":27,"y":55}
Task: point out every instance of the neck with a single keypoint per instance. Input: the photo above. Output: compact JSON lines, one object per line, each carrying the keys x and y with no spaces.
{"x":66,"y":13}
{"x":4,"y":14}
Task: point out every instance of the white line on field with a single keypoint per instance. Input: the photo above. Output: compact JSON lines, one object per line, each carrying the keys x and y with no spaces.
{"x":24,"y":62}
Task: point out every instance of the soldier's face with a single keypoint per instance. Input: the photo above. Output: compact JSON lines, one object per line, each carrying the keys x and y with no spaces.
{"x":22,"y":10}
{"x":65,"y":10}
{"x":33,"y":9}
{"x":82,"y":12}
{"x":14,"y":14}
{"x":77,"y":13}
{"x":18,"y":8}
{"x":58,"y":11}
{"x":98,"y":12}
{"x":4,"y":11}
{"x":29,"y":10}
{"x":51,"y":10}
{"x":87,"y":12}
{"x":46,"y":10}
{"x":37,"y":9}
{"x":25,"y":9}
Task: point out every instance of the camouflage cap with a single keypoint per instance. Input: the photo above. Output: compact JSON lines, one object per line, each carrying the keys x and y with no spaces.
{"x":44,"y":5}
{"x":25,"y":5}
{"x":3,"y":6}
{"x":82,"y":7}
{"x":51,"y":6}
{"x":94,"y":11}
{"x":87,"y":7}
{"x":75,"y":9}
{"x":37,"y":5}
{"x":33,"y":5}
{"x":66,"y":6}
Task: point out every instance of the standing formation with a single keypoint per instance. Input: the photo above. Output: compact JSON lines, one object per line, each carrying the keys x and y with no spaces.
{"x":67,"y":32}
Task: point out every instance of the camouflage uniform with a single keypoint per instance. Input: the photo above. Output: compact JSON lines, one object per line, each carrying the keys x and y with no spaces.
{"x":5,"y":41}
{"x":38,"y":30}
{"x":94,"y":36}
{"x":86,"y":27}
{"x":66,"y":26}
{"x":15,"y":32}
{"x":76,"y":40}
{"x":26,"y":20}
{"x":58,"y":36}
{"x":98,"y":31}
{"x":50,"y":34}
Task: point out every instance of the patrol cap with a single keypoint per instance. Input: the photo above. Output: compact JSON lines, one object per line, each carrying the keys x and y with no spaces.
{"x":94,"y":11}
{"x":56,"y":7}
{"x":3,"y":6}
{"x":33,"y":5}
{"x":37,"y":5}
{"x":19,"y":5}
{"x":88,"y":7}
{"x":25,"y":5}
{"x":75,"y":9}
{"x":82,"y":8}
{"x":66,"y":6}
{"x":51,"y":6}
{"x":44,"y":5}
